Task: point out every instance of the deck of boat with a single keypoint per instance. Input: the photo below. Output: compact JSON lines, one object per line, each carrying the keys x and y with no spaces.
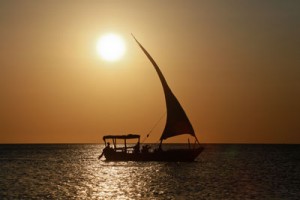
{"x":174,"y":155}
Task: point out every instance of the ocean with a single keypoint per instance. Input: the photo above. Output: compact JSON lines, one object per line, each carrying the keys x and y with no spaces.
{"x":222,"y":171}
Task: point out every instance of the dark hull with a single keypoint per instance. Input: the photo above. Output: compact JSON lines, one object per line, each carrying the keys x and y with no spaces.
{"x":176,"y":155}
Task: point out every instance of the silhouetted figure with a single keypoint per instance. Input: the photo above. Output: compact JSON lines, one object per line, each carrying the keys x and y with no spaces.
{"x":145,"y":148}
{"x":136,"y":148}
{"x":105,"y":150}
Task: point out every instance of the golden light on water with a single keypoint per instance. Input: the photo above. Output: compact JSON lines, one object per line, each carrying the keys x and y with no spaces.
{"x":111,"y":47}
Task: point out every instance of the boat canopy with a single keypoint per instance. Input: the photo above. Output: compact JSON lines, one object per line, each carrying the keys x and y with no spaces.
{"x":129,"y":136}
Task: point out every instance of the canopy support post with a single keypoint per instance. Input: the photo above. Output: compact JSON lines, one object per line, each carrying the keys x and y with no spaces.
{"x":125,"y":146}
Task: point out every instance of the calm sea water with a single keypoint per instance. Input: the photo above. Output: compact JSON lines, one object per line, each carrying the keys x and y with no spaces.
{"x":220,"y":172}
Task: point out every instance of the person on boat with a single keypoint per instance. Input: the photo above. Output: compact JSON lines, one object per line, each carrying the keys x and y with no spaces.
{"x":136,"y":148}
{"x":105,"y":150}
{"x":145,"y":148}
{"x":159,"y":149}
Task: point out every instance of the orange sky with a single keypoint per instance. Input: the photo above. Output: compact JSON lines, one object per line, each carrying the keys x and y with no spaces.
{"x":234,"y":66}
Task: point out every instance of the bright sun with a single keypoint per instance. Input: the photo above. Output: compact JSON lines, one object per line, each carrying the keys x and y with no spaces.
{"x":111,"y":47}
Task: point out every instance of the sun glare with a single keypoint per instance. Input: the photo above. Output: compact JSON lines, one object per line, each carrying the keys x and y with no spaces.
{"x":111,"y":47}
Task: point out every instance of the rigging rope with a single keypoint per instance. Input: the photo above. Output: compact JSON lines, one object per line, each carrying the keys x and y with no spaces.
{"x":154,"y":126}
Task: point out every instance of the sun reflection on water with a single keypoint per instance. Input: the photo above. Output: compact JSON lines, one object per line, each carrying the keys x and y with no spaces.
{"x":94,"y":179}
{"x":127,"y":180}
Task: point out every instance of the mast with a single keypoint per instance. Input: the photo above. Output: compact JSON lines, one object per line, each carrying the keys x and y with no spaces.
{"x":177,"y":121}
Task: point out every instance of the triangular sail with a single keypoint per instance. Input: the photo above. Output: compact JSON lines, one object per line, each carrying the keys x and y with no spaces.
{"x":177,"y":121}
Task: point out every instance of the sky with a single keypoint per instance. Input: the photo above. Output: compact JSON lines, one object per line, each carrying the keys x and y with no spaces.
{"x":233,"y":65}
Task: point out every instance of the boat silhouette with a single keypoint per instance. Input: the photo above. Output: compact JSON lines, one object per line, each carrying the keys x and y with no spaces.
{"x":177,"y":123}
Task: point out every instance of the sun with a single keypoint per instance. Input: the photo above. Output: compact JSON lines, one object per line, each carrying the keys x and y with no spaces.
{"x":111,"y":47}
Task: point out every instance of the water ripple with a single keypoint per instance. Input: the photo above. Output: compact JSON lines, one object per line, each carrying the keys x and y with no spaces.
{"x":221,"y":172}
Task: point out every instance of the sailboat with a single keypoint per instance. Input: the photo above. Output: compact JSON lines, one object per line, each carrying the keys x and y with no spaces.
{"x":177,"y":123}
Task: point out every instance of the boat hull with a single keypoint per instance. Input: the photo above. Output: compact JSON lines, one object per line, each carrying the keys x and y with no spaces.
{"x":174,"y":155}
